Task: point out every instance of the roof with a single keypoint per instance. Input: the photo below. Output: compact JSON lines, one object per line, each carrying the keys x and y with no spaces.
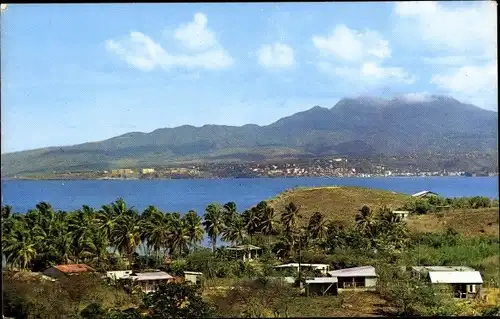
{"x":363,"y":271}
{"x":400,"y":212}
{"x":244,"y":247}
{"x":295,"y":265}
{"x":73,"y":268}
{"x":193,"y":273}
{"x":442,"y":268}
{"x":455,"y":277}
{"x":322,"y":280}
{"x":423,"y":193}
{"x":157,"y":275}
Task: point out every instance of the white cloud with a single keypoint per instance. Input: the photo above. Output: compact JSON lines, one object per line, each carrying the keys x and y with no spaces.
{"x":475,"y":84}
{"x":195,"y":35}
{"x":416,"y":97}
{"x":143,"y":53}
{"x":465,"y":28}
{"x":351,"y":45}
{"x":276,"y":56}
{"x":368,"y":73}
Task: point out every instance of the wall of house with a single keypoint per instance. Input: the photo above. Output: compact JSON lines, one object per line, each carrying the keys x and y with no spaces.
{"x":370,"y":281}
{"x":319,"y":288}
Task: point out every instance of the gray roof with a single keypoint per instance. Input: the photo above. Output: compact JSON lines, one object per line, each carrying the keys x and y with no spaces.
{"x":193,"y":273}
{"x":295,"y":265}
{"x":157,"y":275}
{"x":244,"y":247}
{"x":423,"y":193}
{"x":363,"y":271}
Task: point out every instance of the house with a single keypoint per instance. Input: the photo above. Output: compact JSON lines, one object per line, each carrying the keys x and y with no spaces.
{"x":118,"y":274}
{"x":423,"y":194}
{"x":323,"y":268}
{"x":364,"y":278}
{"x":245,"y":252}
{"x":147,"y":171}
{"x":402,"y":214}
{"x":122,"y":171}
{"x":61,"y":271}
{"x":464,"y":282}
{"x":194,"y":277}
{"x":322,"y":286}
{"x":149,"y":281}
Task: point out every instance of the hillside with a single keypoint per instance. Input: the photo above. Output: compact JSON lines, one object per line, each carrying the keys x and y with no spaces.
{"x":341,"y":204}
{"x":361,"y":126}
{"x":337,"y":203}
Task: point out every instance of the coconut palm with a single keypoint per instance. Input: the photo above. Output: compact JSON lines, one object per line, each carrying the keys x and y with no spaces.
{"x":366,"y":220}
{"x":229,"y":211}
{"x":234,"y":231}
{"x":126,"y":235}
{"x":20,"y":248}
{"x":105,"y":219}
{"x":213,"y":223}
{"x":252,"y":219}
{"x":156,"y":229}
{"x":269,"y":222}
{"x":290,"y":218}
{"x":317,"y":227}
{"x":194,"y":228}
{"x":80,"y":225}
{"x":178,"y":234}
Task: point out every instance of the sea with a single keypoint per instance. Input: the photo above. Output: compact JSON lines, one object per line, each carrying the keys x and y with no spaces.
{"x":182,"y":195}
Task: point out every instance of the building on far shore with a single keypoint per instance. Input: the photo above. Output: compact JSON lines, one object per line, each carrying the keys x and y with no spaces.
{"x":145,"y":171}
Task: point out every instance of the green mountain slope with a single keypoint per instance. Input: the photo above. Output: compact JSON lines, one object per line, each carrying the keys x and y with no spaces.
{"x":360,"y":126}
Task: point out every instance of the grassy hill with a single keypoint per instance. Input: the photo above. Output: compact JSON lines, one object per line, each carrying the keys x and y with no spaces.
{"x":341,"y":204}
{"x":337,"y":203}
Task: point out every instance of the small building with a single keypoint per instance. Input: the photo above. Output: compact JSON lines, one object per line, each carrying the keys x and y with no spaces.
{"x":464,"y":282}
{"x":363,"y":277}
{"x":149,"y":281}
{"x":147,"y":171}
{"x":402,"y":214}
{"x":60,"y":271}
{"x":323,"y":268}
{"x":122,"y":171}
{"x":245,"y":252}
{"x":118,"y":274}
{"x":322,"y":286}
{"x":423,"y":194}
{"x":193,"y":277}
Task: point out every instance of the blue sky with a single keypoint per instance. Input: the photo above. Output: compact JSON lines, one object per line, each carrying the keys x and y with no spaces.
{"x":78,"y":73}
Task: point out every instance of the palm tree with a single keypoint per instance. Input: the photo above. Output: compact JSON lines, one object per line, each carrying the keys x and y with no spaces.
{"x":105,"y":219}
{"x":20,"y":248}
{"x":126,"y":235}
{"x":252,"y":220}
{"x":269,"y":223}
{"x":213,"y":223}
{"x":229,"y":211}
{"x":156,"y":229}
{"x":317,"y":227}
{"x":178,"y":234}
{"x":194,"y":228}
{"x":290,"y":217}
{"x":234,"y":231}
{"x":367,"y":223}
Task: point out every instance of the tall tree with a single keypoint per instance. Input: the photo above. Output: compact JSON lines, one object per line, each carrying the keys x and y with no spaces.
{"x":126,"y":235}
{"x":213,"y":223}
{"x":194,"y":228}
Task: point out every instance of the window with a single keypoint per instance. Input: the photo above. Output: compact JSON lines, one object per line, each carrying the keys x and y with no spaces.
{"x":471,"y":288}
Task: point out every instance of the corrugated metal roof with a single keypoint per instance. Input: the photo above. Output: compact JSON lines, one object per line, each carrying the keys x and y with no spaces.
{"x":423,"y":193}
{"x":193,"y":273}
{"x":322,"y":280}
{"x":302,"y":265}
{"x":363,"y":271}
{"x":244,"y":247}
{"x":455,"y":277}
{"x":151,"y":276}
{"x":74,"y":268}
{"x":442,"y":268}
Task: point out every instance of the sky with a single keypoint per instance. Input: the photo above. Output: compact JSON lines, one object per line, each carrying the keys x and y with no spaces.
{"x":86,"y":72}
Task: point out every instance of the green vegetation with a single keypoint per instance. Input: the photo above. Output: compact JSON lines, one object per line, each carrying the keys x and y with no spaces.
{"x":445,"y":125}
{"x":287,"y":231}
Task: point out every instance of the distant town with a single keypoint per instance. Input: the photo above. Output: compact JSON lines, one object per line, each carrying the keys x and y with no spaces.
{"x":322,"y":167}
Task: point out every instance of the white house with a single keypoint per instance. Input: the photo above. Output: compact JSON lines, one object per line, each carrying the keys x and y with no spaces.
{"x":193,"y":277}
{"x":363,"y":277}
{"x":424,"y":194}
{"x":149,"y":281}
{"x":465,"y":282}
{"x":118,"y":274}
{"x":245,"y":252}
{"x":402,"y":214}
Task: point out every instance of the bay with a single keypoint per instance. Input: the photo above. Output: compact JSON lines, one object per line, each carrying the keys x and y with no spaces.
{"x":183,"y":195}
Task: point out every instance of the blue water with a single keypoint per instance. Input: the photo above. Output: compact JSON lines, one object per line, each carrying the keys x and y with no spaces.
{"x":183,"y":195}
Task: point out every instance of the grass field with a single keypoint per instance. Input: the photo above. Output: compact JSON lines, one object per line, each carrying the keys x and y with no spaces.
{"x":337,"y":203}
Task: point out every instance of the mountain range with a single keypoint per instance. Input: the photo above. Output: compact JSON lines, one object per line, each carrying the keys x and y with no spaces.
{"x":354,"y":126}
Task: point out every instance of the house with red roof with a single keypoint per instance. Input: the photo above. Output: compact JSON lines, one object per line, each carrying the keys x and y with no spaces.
{"x":60,"y":271}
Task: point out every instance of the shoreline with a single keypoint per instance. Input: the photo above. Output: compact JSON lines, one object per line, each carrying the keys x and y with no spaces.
{"x":226,"y":178}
